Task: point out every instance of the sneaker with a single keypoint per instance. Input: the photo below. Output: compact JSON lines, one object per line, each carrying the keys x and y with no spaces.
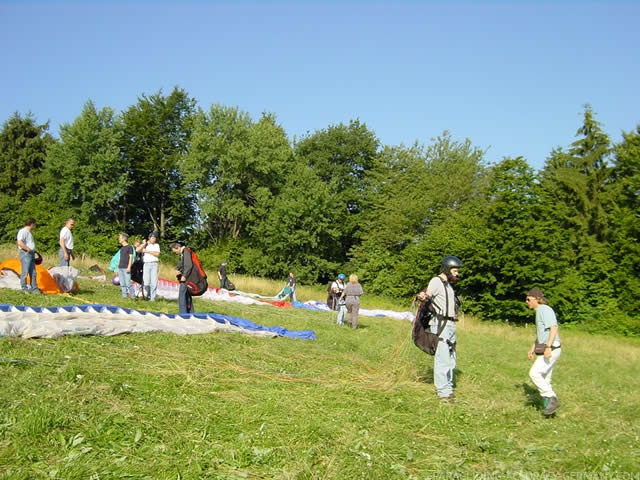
{"x":553,"y":405}
{"x":546,"y":402}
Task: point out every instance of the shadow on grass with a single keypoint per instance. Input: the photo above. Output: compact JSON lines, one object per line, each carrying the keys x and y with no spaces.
{"x":426,"y":376}
{"x":532,"y":397}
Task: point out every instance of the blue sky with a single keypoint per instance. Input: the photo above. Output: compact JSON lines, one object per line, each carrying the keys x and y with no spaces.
{"x":510,"y":76}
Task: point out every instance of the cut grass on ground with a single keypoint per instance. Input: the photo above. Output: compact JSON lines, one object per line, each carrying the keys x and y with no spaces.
{"x":351,"y":404}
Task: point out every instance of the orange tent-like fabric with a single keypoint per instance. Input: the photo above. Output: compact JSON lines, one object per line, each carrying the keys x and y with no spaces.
{"x":46,"y":283}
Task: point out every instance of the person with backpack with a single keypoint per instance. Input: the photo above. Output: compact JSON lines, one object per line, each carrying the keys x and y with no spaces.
{"x":548,"y":342}
{"x":183,"y":271}
{"x":443,"y":302}
{"x":337,"y":287}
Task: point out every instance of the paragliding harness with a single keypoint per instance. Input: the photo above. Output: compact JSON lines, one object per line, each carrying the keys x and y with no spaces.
{"x":197,"y":280}
{"x":336,"y":303}
{"x":423,"y":337}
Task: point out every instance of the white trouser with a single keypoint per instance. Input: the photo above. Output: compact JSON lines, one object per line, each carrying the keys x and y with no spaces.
{"x":542,"y":371}
{"x":445,"y":360}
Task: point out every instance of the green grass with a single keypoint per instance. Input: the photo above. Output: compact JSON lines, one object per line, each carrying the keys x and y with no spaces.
{"x":353,"y":404}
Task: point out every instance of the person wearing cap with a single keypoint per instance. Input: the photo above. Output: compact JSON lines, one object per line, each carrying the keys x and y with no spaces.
{"x":440,"y":294}
{"x":66,"y":243}
{"x":27,"y":255}
{"x":222,"y":275}
{"x":150,"y":250}
{"x":546,"y":333}
{"x":337,"y":287}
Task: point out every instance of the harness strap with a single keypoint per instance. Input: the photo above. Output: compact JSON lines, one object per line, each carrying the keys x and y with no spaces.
{"x":442,"y":319}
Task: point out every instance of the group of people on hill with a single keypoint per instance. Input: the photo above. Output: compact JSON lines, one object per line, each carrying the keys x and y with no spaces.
{"x":149,"y":251}
{"x":149,"y":248}
{"x":439,"y":296}
{"x":344,"y":297}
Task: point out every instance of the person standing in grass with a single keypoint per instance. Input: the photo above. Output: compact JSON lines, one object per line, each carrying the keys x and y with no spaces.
{"x":27,"y":254}
{"x":150,"y":250}
{"x":440,"y":294}
{"x":291,"y":283}
{"x":183,"y":271}
{"x":222,"y":275}
{"x":66,"y":243}
{"x":337,"y":286}
{"x":546,"y":333}
{"x":351,"y":295}
{"x":124,"y":266}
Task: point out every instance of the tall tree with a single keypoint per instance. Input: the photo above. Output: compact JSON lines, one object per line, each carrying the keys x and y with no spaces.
{"x":342,"y":155}
{"x":156,"y":135}
{"x":219,"y":136}
{"x":412,"y":193}
{"x":239,"y":166}
{"x":393,"y":201}
{"x":574,"y":202}
{"x":88,"y":177}
{"x":296,"y":233}
{"x":511,"y":256}
{"x":624,"y":247}
{"x":23,"y":151}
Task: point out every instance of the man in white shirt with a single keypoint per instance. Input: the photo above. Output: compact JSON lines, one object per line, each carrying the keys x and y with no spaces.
{"x":27,"y":253}
{"x":66,"y":243}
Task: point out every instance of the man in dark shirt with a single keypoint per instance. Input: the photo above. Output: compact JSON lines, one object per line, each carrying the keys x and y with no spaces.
{"x":222,"y":275}
{"x":183,"y":270}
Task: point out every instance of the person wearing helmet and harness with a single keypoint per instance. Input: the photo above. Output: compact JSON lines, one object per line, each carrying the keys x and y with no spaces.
{"x":337,"y":287}
{"x":445,"y":304}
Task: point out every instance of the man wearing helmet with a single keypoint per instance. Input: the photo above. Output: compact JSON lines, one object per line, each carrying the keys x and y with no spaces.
{"x":337,"y":287}
{"x":444,"y":301}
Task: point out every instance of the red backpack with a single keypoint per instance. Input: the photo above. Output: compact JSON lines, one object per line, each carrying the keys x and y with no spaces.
{"x":197,"y":281}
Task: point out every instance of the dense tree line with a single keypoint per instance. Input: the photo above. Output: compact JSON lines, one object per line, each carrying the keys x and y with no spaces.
{"x":239,"y":189}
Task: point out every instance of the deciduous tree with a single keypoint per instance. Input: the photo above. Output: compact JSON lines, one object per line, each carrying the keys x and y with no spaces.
{"x":89,"y":178}
{"x":23,"y":151}
{"x":156,"y":135}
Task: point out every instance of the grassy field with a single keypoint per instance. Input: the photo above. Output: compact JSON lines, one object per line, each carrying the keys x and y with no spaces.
{"x":353,"y":404}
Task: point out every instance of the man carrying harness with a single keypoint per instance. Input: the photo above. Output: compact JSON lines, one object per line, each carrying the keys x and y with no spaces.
{"x":337,"y":287}
{"x":440,"y":303}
